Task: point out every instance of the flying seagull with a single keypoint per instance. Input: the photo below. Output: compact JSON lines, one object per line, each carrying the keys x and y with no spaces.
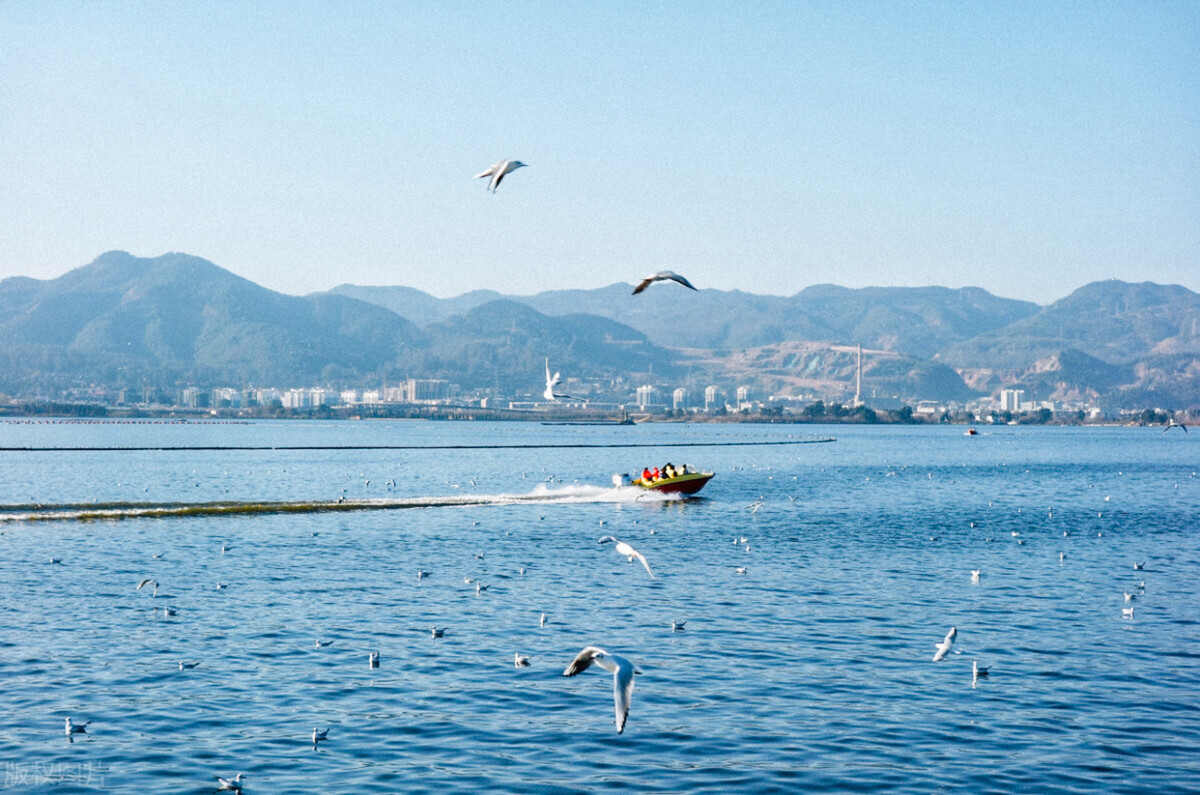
{"x":660,"y":276}
{"x":629,"y":552}
{"x":1171,"y":423}
{"x":146,"y":582}
{"x":551,"y":382}
{"x":945,"y":645}
{"x":497,"y":172}
{"x":622,"y":671}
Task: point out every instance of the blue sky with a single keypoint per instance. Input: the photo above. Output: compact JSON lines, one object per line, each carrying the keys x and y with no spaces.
{"x":1027,"y":148}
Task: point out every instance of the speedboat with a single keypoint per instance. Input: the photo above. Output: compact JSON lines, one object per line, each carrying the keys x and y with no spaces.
{"x":685,"y":482}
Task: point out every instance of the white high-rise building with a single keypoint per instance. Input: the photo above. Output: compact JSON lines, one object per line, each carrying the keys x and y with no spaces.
{"x":645,"y":395}
{"x":1011,"y":399}
{"x":712,"y":397}
{"x":679,"y":398}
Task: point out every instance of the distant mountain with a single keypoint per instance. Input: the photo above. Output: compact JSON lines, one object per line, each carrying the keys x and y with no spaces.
{"x":125,"y":321}
{"x":177,"y":318}
{"x":1126,"y":344}
{"x":918,"y":321}
{"x":504,"y":344}
{"x":174,"y":320}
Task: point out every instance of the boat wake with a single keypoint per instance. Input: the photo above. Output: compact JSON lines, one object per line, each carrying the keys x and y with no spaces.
{"x":111,"y":511}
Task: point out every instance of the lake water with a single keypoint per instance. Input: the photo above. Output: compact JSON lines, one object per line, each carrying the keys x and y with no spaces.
{"x":812,"y":671}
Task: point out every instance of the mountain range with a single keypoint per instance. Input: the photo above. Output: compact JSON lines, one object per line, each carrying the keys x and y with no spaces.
{"x":174,"y":320}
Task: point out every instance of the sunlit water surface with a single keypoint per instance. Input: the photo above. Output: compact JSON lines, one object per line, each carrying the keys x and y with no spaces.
{"x":812,"y":671}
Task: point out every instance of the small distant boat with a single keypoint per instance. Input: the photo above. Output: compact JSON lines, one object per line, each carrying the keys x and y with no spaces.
{"x":971,"y":432}
{"x":686,"y":482}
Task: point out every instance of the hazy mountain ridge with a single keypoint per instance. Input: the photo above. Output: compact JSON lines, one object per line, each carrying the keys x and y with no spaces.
{"x":178,"y":319}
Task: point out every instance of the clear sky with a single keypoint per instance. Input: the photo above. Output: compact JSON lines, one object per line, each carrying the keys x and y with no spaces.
{"x":1024,"y":147}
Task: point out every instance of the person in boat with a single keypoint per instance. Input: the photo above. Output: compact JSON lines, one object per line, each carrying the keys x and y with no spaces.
{"x":646,"y":475}
{"x":668,"y":470}
{"x":655,"y":474}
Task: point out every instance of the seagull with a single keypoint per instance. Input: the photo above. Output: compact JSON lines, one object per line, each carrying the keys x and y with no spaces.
{"x":974,"y":575}
{"x":187,"y":665}
{"x":437,"y":633}
{"x":660,"y":276}
{"x":221,"y":586}
{"x":480,"y":588}
{"x":622,"y":671}
{"x":168,"y":612}
{"x":76,"y":728}
{"x":373,"y":659}
{"x":945,"y":645}
{"x":1171,"y":423}
{"x":542,"y":620}
{"x":520,"y":660}
{"x":318,"y":736}
{"x":146,"y":582}
{"x":1139,"y":566}
{"x":230,"y":784}
{"x":421,"y":574}
{"x":498,"y":171}
{"x":551,"y":382}
{"x":678,"y":626}
{"x":629,"y":552}
{"x":976,"y":671}
{"x":322,"y":643}
{"x":1126,"y":612}
{"x":740,"y":570}
{"x":55,"y":560}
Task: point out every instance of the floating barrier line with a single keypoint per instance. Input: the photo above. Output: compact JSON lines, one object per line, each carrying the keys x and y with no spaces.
{"x":573,"y":446}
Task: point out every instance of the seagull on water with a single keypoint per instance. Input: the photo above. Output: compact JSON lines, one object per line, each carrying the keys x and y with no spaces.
{"x":187,"y":665}
{"x":437,"y":633}
{"x":622,"y":671}
{"x":229,"y":784}
{"x":629,"y":552}
{"x":678,"y":626}
{"x":498,"y":171}
{"x":1139,"y":566}
{"x":974,"y":575}
{"x":318,"y":736}
{"x":76,"y":728}
{"x":976,"y":671}
{"x":945,"y":645}
{"x":520,"y":660}
{"x":320,"y":644}
{"x":373,"y":659}
{"x":662,"y":276}
{"x":1126,"y":612}
{"x":542,"y":620}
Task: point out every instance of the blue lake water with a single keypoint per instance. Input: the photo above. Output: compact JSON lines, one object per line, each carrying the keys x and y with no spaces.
{"x":810,"y":672}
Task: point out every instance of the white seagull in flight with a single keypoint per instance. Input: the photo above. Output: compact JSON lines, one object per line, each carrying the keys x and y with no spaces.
{"x":629,"y":552}
{"x":497,"y":172}
{"x":660,"y":276}
{"x":945,"y":645}
{"x":622,"y":671}
{"x":551,"y":382}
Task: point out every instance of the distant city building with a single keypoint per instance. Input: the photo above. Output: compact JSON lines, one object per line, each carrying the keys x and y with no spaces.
{"x":744,"y":394}
{"x":192,"y":397}
{"x":645,"y":396}
{"x":1011,"y":399}
{"x":371,"y":397}
{"x":679,"y":398}
{"x":349,"y":396}
{"x":296,"y":399}
{"x":713,"y":398}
